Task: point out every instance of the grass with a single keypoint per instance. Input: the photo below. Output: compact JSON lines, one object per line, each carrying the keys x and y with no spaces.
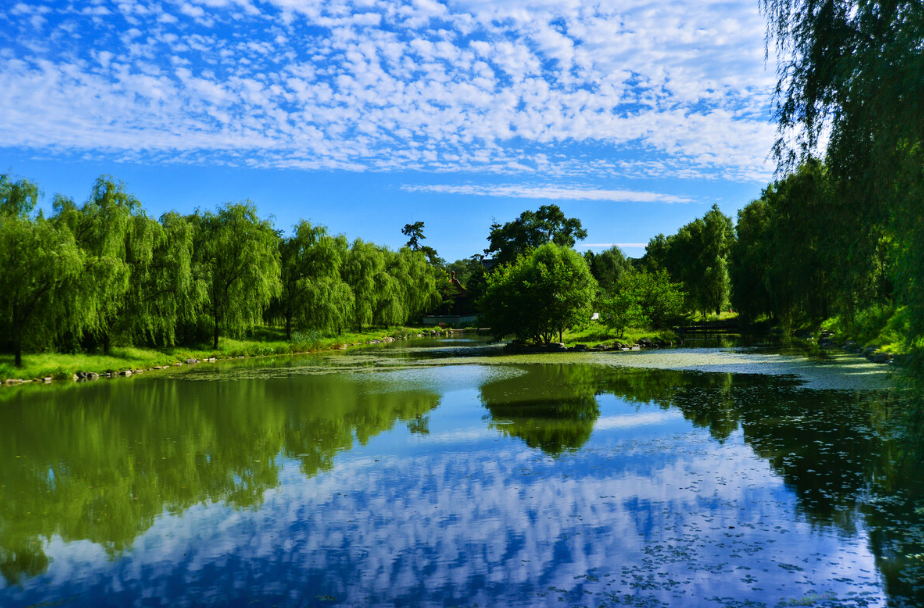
{"x":596,"y":333}
{"x":262,"y":342}
{"x":879,"y":325}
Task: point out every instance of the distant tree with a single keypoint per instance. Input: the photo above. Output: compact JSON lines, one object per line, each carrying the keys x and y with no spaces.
{"x":608,"y":266}
{"x":41,"y":264}
{"x":543,"y":293}
{"x":697,"y":257}
{"x":415,"y":234}
{"x":237,"y":255}
{"x":531,"y":230}
{"x":641,"y":299}
{"x":312,"y":294}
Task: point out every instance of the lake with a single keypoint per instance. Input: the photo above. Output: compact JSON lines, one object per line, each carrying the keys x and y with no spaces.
{"x":442,"y":473}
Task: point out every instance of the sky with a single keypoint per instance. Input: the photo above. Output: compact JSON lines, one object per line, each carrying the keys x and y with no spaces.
{"x":366,"y":115}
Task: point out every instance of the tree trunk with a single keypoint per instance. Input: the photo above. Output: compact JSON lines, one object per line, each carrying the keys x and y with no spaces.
{"x":18,"y":348}
{"x":215,"y":343}
{"x":559,"y":336}
{"x":288,"y":327}
{"x":106,"y":343}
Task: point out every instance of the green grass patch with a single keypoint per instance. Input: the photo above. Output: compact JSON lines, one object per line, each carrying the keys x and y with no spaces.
{"x":597,"y":333}
{"x":263,"y":342}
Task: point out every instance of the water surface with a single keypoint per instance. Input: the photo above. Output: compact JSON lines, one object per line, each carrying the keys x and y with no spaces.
{"x":411,"y":476}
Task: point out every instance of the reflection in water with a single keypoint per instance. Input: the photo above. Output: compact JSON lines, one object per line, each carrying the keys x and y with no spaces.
{"x":101,"y":462}
{"x":504,"y":485}
{"x":553,"y":407}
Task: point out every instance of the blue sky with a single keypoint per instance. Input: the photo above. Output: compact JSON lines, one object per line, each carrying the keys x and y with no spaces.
{"x":365,"y":115}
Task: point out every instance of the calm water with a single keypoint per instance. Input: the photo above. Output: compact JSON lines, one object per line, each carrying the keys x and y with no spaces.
{"x":382,"y":477}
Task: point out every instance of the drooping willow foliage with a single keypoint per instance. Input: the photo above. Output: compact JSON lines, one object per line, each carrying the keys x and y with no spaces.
{"x":851,"y":81}
{"x":103,"y":272}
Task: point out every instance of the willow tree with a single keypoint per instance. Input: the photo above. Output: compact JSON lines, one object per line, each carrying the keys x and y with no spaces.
{"x":364,"y":264}
{"x":850,"y":74}
{"x":164,"y":291}
{"x":118,"y":239}
{"x":17,"y":198}
{"x":312,"y":292}
{"x":237,"y":257}
{"x":41,"y":264}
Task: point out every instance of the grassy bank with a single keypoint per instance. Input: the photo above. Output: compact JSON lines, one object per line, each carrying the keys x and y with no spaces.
{"x":265,"y":341}
{"x":597,"y":333}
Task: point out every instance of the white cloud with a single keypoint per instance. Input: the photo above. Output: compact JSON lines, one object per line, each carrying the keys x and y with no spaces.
{"x":550,"y":192}
{"x":564,"y":88}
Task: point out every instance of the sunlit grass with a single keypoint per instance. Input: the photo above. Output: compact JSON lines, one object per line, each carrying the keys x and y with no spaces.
{"x":264,"y":342}
{"x":597,"y":333}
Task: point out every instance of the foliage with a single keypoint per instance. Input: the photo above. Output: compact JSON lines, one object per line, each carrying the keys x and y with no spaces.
{"x":608,"y":266}
{"x":41,"y":265}
{"x":530,"y":230}
{"x":312,"y":294}
{"x":237,"y":257}
{"x":850,"y":72}
{"x":547,"y":291}
{"x":18,"y":198}
{"x":642,"y":298}
{"x":697,"y":257}
{"x":788,"y":253}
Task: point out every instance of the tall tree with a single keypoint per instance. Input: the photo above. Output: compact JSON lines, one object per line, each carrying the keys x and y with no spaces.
{"x":237,"y":255}
{"x":41,"y":263}
{"x":542,"y":294}
{"x":365,"y":263}
{"x":118,"y":240}
{"x":852,"y":69}
{"x":313,"y":294}
{"x":697,"y":257}
{"x":531,"y":230}
{"x":415,"y":235}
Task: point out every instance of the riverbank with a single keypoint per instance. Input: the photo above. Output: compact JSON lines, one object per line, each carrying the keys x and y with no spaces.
{"x":49,"y":367}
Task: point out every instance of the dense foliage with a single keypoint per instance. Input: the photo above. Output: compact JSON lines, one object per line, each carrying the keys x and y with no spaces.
{"x":541,"y":294}
{"x":103,"y":272}
{"x":530,"y":230}
{"x":697,"y":258}
{"x":851,"y":74}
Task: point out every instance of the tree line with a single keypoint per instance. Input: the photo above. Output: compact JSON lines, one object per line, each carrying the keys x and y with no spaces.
{"x":104,"y":272}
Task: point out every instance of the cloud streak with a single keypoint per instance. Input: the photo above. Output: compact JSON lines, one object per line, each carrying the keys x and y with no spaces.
{"x":556,"y":193}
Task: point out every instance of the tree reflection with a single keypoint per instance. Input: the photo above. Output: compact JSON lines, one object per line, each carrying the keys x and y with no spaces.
{"x":102,"y":462}
{"x":552,"y":408}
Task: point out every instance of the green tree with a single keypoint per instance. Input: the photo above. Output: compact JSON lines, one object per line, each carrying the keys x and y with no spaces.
{"x":312,"y":294}
{"x":608,"y":266}
{"x":41,"y":264}
{"x":118,"y":240}
{"x":363,"y":270}
{"x":850,"y":73}
{"x":697,"y":257}
{"x":532,"y":229}
{"x":237,"y":255}
{"x":17,"y":198}
{"x":543,"y":293}
{"x":415,"y":235}
{"x":642,"y":298}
